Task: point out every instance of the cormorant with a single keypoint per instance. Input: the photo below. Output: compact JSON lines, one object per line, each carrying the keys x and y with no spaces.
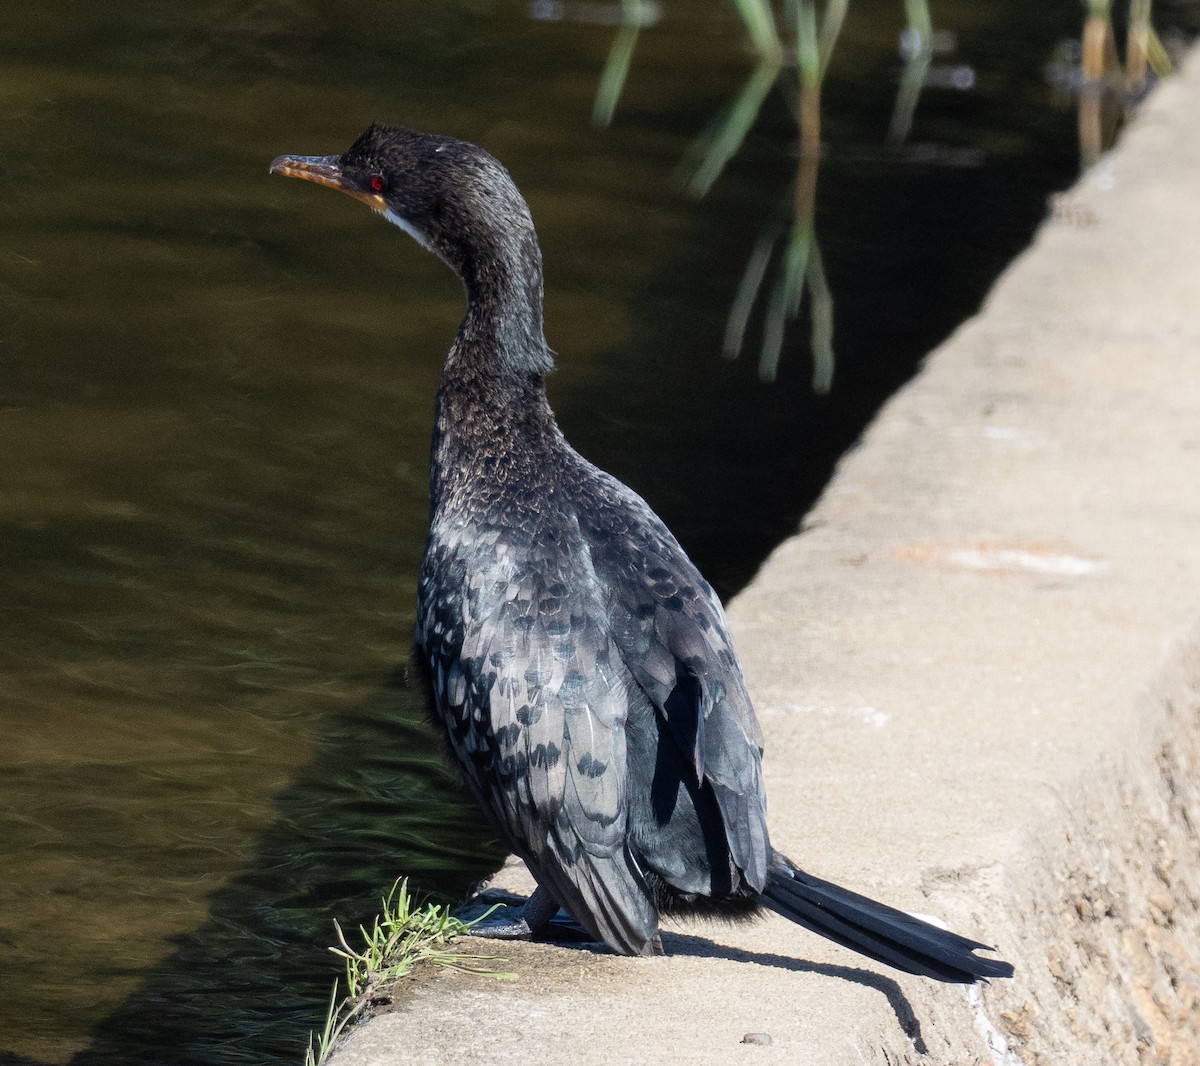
{"x":579,"y":664}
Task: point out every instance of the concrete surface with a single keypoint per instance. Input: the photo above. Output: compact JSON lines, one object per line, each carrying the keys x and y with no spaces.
{"x":978,"y":672}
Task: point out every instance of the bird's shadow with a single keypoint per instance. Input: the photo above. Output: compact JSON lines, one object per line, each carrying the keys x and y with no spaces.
{"x":699,"y":947}
{"x":565,"y":932}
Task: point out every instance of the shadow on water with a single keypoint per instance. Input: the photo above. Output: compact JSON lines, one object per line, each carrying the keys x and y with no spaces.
{"x":240,"y":989}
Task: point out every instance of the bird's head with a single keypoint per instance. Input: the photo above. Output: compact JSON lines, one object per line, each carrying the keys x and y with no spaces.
{"x":452,"y":197}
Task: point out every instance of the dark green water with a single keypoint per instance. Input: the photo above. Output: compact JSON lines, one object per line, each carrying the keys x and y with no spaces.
{"x":215,"y":400}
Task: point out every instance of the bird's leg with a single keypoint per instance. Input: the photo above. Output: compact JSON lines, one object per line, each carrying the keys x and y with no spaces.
{"x":539,"y":910}
{"x":509,"y":922}
{"x":539,"y":916}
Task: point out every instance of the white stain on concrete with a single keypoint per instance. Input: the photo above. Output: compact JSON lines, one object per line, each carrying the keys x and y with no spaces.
{"x":999,"y":558}
{"x":1016,"y":438}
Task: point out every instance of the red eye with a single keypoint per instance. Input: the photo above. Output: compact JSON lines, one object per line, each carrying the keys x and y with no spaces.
{"x":378,"y":184}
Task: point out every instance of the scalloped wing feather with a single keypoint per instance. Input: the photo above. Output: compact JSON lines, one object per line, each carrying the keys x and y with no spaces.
{"x":538,"y":723}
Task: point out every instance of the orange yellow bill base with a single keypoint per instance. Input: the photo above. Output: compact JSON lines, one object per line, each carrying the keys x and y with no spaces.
{"x":324,"y":170}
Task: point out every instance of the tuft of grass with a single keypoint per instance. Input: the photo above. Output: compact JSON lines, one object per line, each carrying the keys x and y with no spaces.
{"x":403,"y":934}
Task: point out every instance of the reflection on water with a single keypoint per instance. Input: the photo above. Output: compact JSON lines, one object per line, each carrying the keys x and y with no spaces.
{"x":795,"y":63}
{"x":375,"y":798}
{"x":215,"y":401}
{"x":1107,"y":89}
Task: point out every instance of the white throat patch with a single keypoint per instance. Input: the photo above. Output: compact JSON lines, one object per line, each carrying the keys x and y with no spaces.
{"x":416,"y":234}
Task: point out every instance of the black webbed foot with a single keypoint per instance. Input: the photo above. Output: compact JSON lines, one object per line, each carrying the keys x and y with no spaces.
{"x":502,"y":923}
{"x":503,"y":916}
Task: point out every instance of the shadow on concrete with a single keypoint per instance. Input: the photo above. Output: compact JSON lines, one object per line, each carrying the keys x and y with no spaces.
{"x":703,"y":948}
{"x":567,"y":933}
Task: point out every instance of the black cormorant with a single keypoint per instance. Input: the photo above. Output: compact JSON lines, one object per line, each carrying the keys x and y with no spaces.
{"x":580,"y":665}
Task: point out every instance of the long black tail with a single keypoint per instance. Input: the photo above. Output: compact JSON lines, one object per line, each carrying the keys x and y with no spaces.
{"x":874,"y":929}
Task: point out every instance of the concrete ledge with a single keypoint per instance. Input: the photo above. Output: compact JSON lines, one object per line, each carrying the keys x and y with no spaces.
{"x":978,"y":670}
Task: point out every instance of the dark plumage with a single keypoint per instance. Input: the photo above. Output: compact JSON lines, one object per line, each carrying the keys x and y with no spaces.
{"x":579,"y":663}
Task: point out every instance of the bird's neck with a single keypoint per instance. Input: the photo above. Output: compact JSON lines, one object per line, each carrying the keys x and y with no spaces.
{"x":492,"y":438}
{"x":501,"y":334}
{"x":493,"y":416}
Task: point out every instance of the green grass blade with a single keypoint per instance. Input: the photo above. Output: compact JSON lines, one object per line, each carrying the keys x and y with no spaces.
{"x":831,"y":28}
{"x":916,"y":14}
{"x":731,"y":128}
{"x":616,"y":67}
{"x":808,"y":52}
{"x":916,"y":66}
{"x":1156,"y":55}
{"x":759,"y":21}
{"x":820,"y":309}
{"x":747,"y":293}
{"x":786,"y":296}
